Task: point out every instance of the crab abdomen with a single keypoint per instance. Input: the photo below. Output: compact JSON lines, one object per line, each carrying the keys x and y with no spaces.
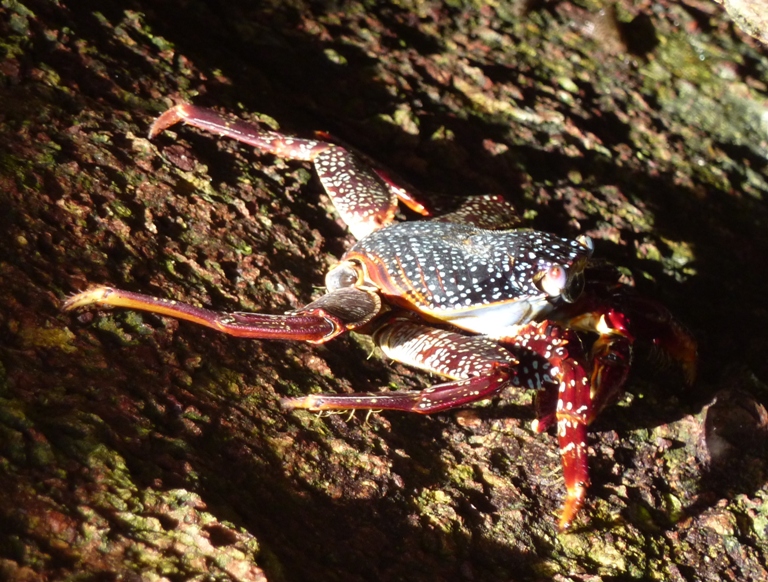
{"x":480,"y":280}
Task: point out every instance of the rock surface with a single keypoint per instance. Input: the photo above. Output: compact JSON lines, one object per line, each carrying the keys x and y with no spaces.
{"x":133,"y":447}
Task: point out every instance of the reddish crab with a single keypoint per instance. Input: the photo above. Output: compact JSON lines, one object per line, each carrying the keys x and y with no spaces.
{"x":464,"y":296}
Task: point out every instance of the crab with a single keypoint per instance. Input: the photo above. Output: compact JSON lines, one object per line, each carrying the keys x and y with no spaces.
{"x":470,"y":296}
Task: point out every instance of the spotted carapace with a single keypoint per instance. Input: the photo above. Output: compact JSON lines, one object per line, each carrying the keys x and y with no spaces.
{"x":469,"y":296}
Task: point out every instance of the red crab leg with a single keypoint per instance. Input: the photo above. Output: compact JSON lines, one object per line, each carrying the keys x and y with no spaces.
{"x":489,"y":211}
{"x":362,"y":198}
{"x":403,"y":195}
{"x":315,"y":325}
{"x":539,"y":356}
{"x":433,"y":399}
{"x":478,"y":366}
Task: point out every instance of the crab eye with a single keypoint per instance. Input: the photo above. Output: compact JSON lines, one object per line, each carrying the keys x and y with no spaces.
{"x":552,"y":280}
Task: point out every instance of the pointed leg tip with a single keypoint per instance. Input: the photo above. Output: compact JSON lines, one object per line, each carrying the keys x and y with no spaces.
{"x":299,"y":402}
{"x":574,"y":499}
{"x":171,"y":117}
{"x":88,"y":297}
{"x":539,"y":425}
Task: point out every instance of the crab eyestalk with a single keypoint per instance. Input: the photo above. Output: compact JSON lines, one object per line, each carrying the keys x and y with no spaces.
{"x":558,"y":281}
{"x":552,"y":280}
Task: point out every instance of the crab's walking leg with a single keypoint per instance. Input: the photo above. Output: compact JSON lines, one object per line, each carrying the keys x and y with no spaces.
{"x":538,"y":356}
{"x":489,"y":211}
{"x":362,"y":197}
{"x":318,"y":322}
{"x":479,"y":369}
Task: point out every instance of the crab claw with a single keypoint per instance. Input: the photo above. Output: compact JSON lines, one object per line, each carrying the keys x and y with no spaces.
{"x":552,"y":357}
{"x":681,"y":346}
{"x":649,"y":319}
{"x":573,"y":404}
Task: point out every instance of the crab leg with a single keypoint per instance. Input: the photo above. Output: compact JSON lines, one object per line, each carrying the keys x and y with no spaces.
{"x":363,"y":199}
{"x":479,"y":367}
{"x":489,"y":211}
{"x":538,"y":356}
{"x":314,"y":323}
